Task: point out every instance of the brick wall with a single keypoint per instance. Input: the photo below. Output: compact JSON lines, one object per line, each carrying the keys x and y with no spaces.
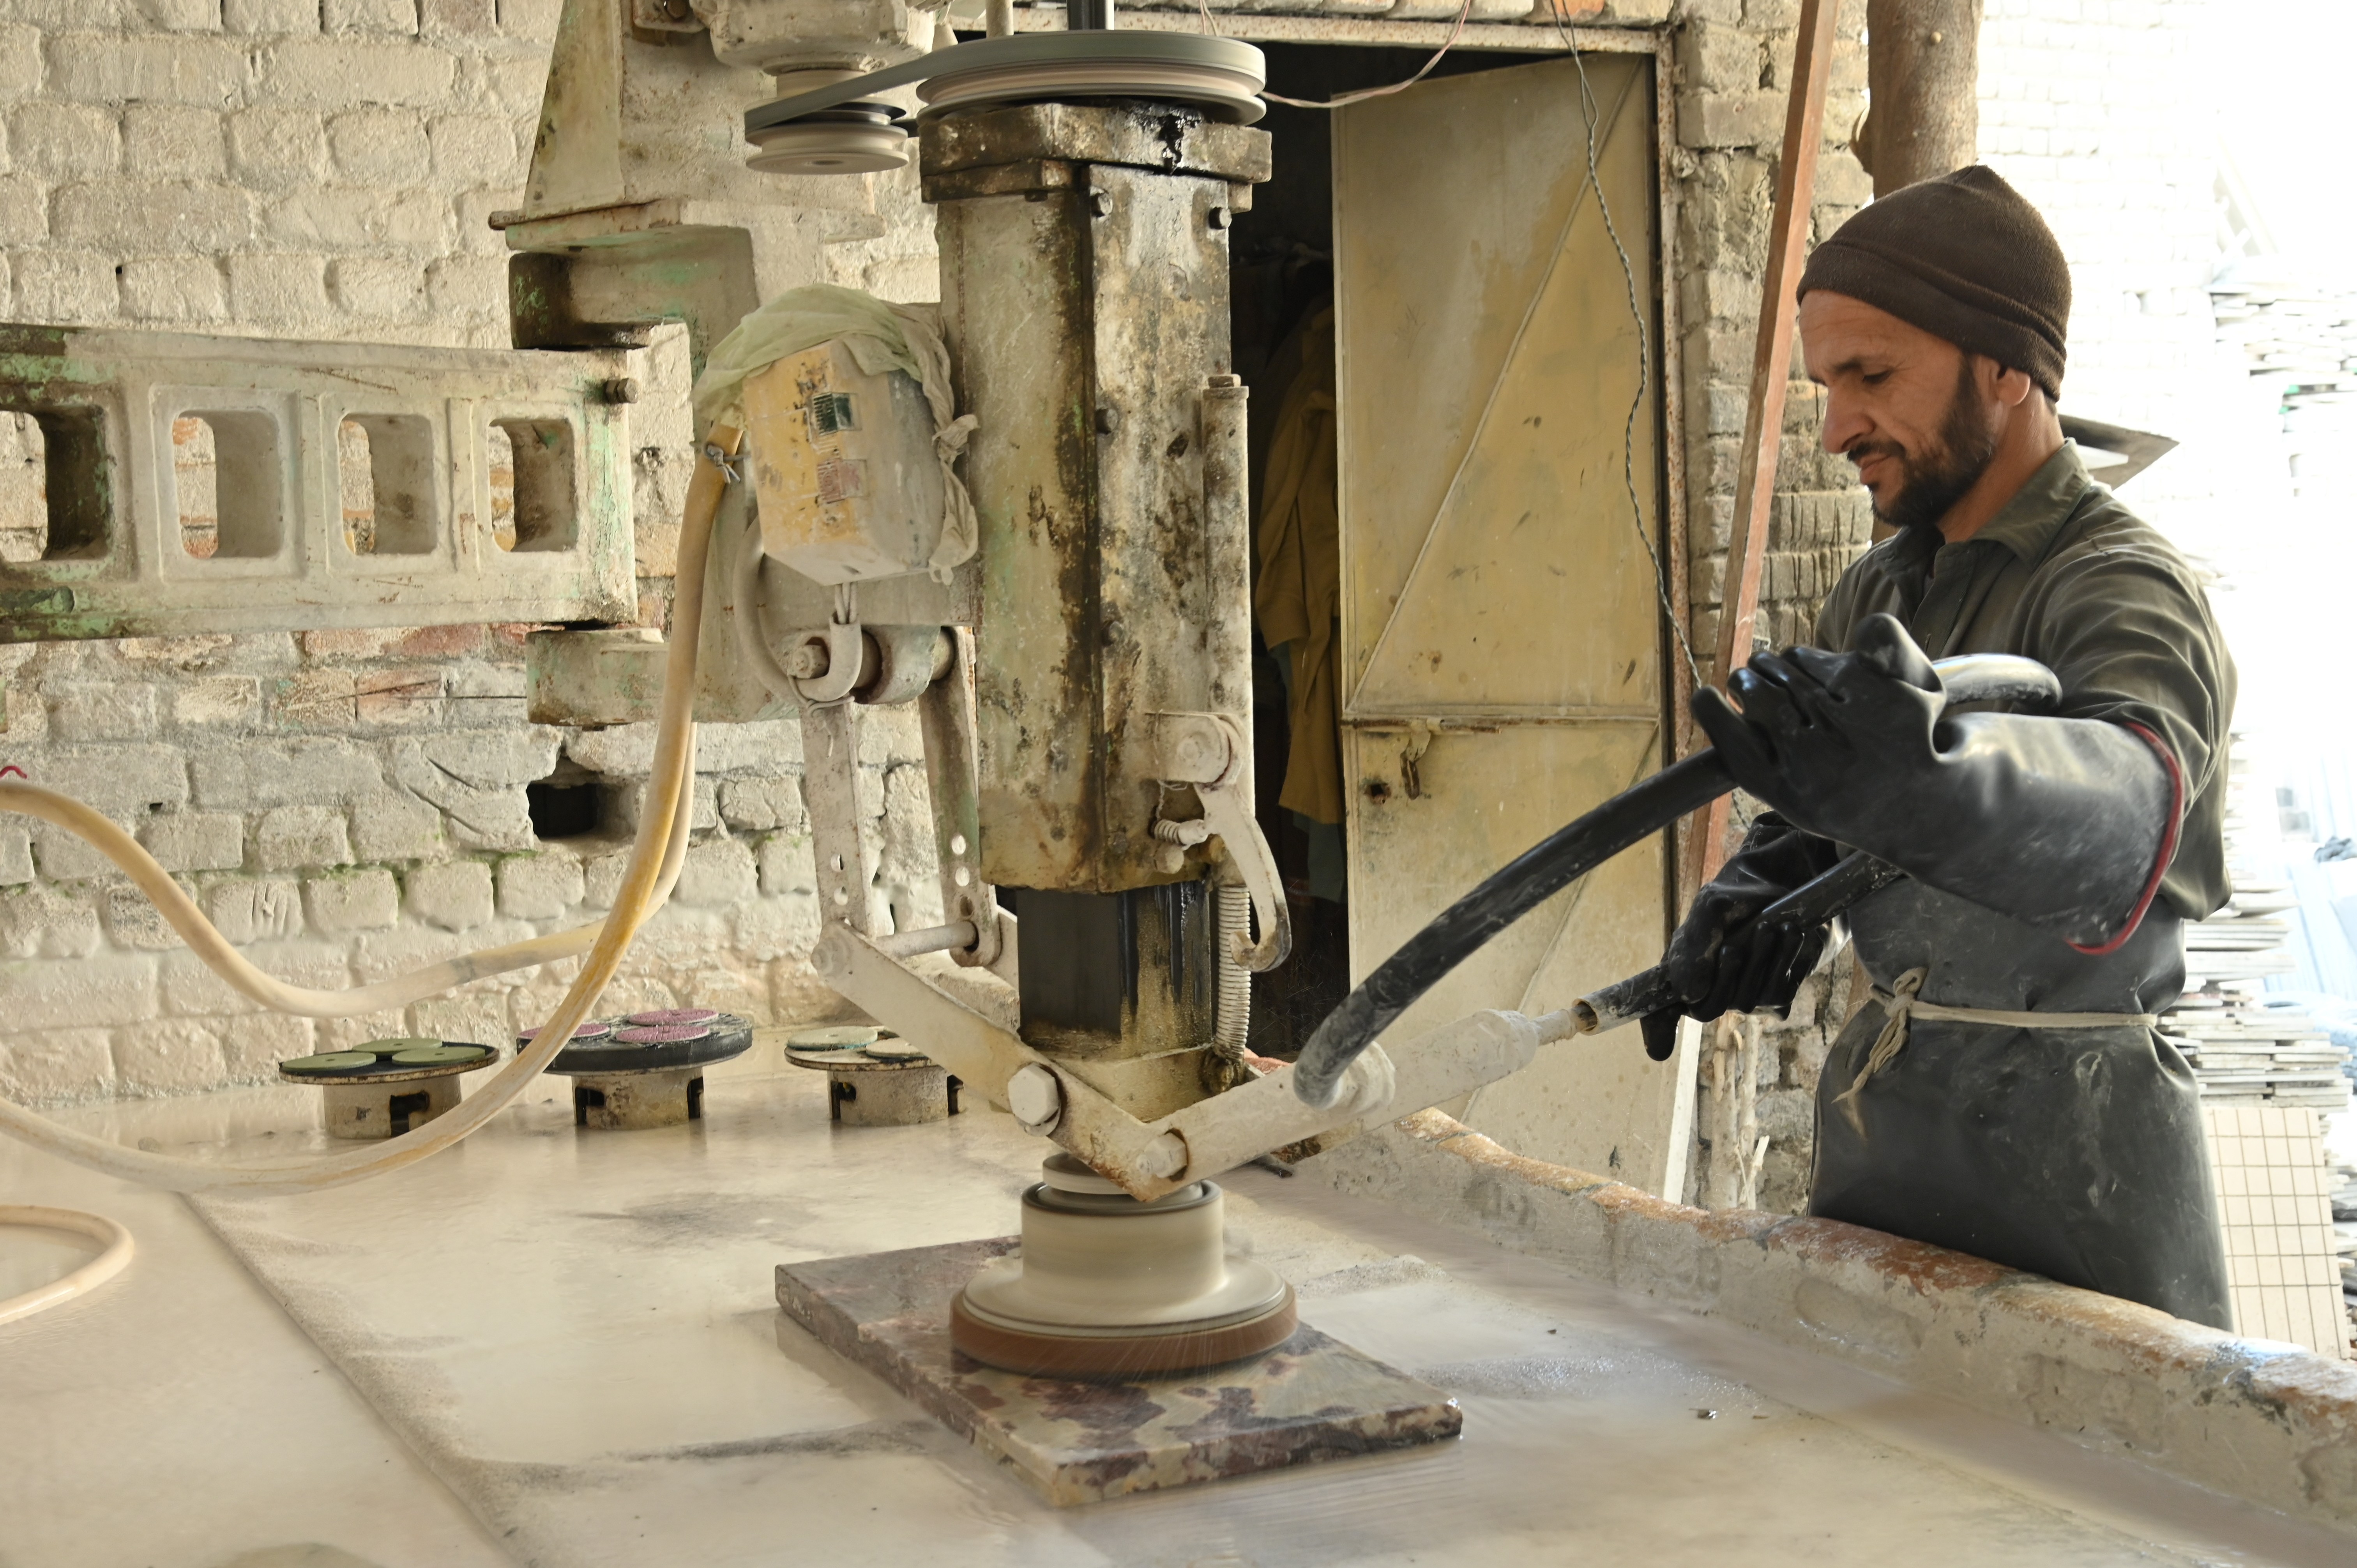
{"x":346,"y":805}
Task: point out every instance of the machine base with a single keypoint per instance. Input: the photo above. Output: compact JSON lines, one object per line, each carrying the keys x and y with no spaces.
{"x":1310,"y":1399}
{"x":1104,"y":1356}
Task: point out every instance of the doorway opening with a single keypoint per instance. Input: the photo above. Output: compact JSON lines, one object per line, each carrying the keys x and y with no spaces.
{"x":1281,"y":325}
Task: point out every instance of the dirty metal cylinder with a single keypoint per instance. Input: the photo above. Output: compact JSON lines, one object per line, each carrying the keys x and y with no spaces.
{"x":1084,"y":295}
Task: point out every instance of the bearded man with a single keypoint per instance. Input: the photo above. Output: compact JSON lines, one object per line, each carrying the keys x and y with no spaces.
{"x":2006,"y":1092}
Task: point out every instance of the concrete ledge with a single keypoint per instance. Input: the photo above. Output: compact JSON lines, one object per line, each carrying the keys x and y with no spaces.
{"x":2272,"y":1424}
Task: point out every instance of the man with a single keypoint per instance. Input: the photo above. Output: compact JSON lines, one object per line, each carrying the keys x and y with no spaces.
{"x":2050,"y":858}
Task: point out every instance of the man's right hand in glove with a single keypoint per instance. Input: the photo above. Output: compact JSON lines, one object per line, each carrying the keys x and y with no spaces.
{"x":1720,"y":960}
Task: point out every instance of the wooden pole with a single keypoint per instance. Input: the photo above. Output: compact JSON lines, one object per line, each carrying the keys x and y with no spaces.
{"x":1772,"y":360}
{"x":1922,"y":76}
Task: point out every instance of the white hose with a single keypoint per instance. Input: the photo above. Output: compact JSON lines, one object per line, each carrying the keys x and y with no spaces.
{"x":661,"y":838}
{"x":205,"y":939}
{"x":84,"y":1279}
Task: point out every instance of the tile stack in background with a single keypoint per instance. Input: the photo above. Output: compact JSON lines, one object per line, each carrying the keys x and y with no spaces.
{"x":2243,"y":1051}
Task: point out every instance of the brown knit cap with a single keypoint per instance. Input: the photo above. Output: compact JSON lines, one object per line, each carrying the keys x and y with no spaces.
{"x":1966,"y":258}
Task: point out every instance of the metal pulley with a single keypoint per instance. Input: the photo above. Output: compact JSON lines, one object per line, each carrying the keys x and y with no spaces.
{"x":840,"y":128}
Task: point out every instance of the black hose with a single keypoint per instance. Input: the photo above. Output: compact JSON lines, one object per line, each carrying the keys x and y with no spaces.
{"x":1515,"y":889}
{"x":1572,"y":852}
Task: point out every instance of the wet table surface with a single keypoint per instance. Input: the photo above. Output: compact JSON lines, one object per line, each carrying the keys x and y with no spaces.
{"x":560,"y":1346}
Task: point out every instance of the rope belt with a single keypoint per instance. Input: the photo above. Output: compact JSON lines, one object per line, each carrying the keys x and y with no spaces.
{"x":1900,"y":1004}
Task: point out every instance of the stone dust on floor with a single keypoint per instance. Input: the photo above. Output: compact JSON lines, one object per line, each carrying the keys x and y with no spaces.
{"x":576,"y":1332}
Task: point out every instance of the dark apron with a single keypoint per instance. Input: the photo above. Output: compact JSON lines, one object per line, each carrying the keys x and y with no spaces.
{"x":2075,"y":1153}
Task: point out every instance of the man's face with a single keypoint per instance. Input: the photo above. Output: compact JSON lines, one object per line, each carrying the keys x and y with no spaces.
{"x":1917,"y":414}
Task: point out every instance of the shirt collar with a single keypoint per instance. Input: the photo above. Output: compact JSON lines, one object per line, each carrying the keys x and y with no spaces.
{"x":2027,"y":524}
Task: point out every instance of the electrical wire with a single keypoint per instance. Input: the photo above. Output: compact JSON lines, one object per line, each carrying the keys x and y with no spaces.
{"x":110,"y":1262}
{"x":1455,"y":31}
{"x":1588,"y":113}
{"x":669,"y":794}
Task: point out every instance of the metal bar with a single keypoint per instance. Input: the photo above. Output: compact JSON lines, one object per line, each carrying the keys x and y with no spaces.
{"x":956,"y":935}
{"x":831,"y":783}
{"x":1764,"y":422}
{"x":1524,"y":37}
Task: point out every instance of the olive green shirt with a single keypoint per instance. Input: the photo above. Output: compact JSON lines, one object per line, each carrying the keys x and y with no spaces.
{"x":2067,"y":575}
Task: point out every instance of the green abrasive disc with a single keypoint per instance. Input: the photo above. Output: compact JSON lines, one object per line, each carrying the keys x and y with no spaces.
{"x":840,"y":1038}
{"x":440,"y":1055}
{"x":329,"y":1061}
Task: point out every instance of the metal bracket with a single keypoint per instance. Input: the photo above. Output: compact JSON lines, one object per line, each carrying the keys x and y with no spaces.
{"x":846,"y":656}
{"x":1210,"y":752}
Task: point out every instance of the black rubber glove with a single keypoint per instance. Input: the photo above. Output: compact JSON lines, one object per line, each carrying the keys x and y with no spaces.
{"x":1719,"y":959}
{"x":2064,"y":824}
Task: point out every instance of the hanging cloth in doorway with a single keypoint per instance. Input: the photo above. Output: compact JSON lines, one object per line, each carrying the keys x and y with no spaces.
{"x":1299,"y":600}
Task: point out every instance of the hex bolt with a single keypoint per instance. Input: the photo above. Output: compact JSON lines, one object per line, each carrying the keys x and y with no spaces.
{"x":1220,"y":217}
{"x":807,"y":662}
{"x":621,"y":389}
{"x":1100,"y":203}
{"x":1108,"y":419}
{"x":1035,"y":1098}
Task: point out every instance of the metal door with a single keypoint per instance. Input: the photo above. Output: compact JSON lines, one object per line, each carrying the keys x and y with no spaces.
{"x":1501,"y":636}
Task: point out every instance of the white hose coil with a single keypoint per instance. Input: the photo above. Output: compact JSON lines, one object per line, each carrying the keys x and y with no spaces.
{"x":81,"y":1280}
{"x":653,"y":865}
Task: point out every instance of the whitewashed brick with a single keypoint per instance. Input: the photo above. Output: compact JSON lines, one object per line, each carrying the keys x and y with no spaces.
{"x":174,"y":288}
{"x":64,"y":141}
{"x":56,"y":1065}
{"x":764,"y":805}
{"x":378,"y":286}
{"x":98,"y":68}
{"x":291,"y":837}
{"x":254,"y":910}
{"x":380,"y":146}
{"x":148,"y":218}
{"x":473,"y":149}
{"x":16,"y":854}
{"x":20,"y":62}
{"x":767,"y":928}
{"x":382,"y":955}
{"x":175,"y":140}
{"x":478,"y":1020}
{"x":133,"y":923}
{"x":24,"y":210}
{"x":786,"y":866}
{"x":455,"y":896}
{"x":352,"y":901}
{"x":393,"y":827}
{"x":66,"y":287}
{"x":271,"y":16}
{"x":369,"y":16}
{"x":117,"y":780}
{"x":719,"y":871}
{"x":340,"y":72}
{"x":189,"y":990}
{"x":167,"y":1055}
{"x":65,"y":857}
{"x":286,"y":290}
{"x":258,"y":775}
{"x":377,"y":221}
{"x":272,"y":142}
{"x":102,"y":989}
{"x":215,"y":700}
{"x":253,"y":1045}
{"x":47,"y":922}
{"x":462,"y":18}
{"x":95,"y":711}
{"x":195,"y":840}
{"x":539,"y":887}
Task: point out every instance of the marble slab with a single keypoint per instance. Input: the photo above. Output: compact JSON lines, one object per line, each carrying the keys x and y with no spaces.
{"x":1311,"y":1399}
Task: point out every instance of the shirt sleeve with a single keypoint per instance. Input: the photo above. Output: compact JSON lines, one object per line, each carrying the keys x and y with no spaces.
{"x":2126,"y":628}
